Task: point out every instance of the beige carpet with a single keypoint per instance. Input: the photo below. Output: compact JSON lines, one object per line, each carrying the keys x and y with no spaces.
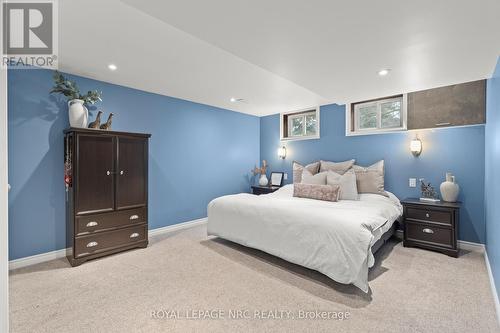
{"x":411,"y":291}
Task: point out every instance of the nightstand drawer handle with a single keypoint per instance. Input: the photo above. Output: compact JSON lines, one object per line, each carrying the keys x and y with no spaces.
{"x":133,"y":217}
{"x":427,"y":215}
{"x":428,"y":231}
{"x":92,"y":244}
{"x":92,"y":224}
{"x":134,"y":235}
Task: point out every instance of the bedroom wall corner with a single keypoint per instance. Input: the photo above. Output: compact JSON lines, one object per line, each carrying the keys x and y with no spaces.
{"x":492,"y":178}
{"x":197,"y":153}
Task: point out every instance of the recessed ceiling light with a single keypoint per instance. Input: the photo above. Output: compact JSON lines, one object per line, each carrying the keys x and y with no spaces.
{"x":384,"y":72}
{"x":112,"y":67}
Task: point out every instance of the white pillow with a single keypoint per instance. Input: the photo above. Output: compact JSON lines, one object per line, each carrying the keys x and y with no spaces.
{"x":347,"y":183}
{"x":317,"y":179}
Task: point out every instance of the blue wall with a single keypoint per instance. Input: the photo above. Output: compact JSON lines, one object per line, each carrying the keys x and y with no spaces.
{"x":459,"y":150}
{"x":492,"y":177}
{"x":197,"y":152}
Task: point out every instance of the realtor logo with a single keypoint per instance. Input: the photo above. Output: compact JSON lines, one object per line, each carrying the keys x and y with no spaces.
{"x":29,"y":34}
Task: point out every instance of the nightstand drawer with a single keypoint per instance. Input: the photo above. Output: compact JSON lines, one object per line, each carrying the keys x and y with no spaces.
{"x":429,"y":234}
{"x":430,"y":215}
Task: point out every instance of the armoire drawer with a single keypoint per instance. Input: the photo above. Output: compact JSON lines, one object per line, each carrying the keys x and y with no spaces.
{"x":109,"y":240}
{"x":100,"y":222}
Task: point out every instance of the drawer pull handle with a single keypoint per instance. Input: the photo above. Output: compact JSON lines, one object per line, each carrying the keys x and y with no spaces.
{"x":92,"y":244}
{"x":92,"y":224}
{"x":428,"y":231}
{"x":134,"y":217}
{"x":443,"y":124}
{"x":134,"y":235}
{"x":427,"y":215}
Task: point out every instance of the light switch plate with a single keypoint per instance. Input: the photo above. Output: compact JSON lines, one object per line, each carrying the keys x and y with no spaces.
{"x":413,"y":182}
{"x":285,"y":176}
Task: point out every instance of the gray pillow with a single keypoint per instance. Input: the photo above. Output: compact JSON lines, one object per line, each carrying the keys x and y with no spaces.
{"x":309,"y":178}
{"x":338,"y":167}
{"x":370,"y":179}
{"x":347,"y":183}
{"x":318,"y":192}
{"x":297,"y":170}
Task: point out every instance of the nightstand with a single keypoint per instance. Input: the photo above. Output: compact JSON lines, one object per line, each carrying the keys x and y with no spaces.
{"x":431,"y":225}
{"x":258,"y":190}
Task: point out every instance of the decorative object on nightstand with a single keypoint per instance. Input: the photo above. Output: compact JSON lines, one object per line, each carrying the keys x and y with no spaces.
{"x":431,"y":225}
{"x":97,"y":122}
{"x":262,"y":171}
{"x":258,"y":190}
{"x":277,"y":178}
{"x":107,"y":125}
{"x":449,"y":188}
{"x":428,"y":193}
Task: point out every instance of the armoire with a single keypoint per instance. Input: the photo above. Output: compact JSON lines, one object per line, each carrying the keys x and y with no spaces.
{"x":106,"y":176}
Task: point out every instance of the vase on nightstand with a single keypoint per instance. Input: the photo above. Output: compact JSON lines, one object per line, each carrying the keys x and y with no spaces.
{"x":449,"y":189}
{"x":263,"y":180}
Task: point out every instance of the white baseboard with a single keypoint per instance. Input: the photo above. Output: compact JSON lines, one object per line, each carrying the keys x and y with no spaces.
{"x":53,"y":255}
{"x":492,"y":283}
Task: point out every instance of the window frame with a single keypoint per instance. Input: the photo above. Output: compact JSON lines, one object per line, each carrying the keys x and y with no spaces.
{"x":352,"y":116}
{"x":286,"y":117}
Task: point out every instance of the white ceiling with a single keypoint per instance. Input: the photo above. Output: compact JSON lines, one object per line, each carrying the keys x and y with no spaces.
{"x":279,"y":55}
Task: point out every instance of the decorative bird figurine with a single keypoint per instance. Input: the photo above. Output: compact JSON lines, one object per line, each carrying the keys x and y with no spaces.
{"x":107,"y":124}
{"x":97,"y":122}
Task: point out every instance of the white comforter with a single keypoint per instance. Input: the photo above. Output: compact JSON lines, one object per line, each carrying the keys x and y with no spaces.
{"x":334,"y":238}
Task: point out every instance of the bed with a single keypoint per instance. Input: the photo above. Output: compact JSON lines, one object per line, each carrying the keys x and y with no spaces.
{"x":337,"y":239}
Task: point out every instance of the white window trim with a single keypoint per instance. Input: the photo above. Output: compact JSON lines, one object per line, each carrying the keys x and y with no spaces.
{"x":297,"y":138}
{"x":370,"y":131}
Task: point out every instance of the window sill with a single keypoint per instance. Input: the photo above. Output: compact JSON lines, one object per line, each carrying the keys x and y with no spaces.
{"x":299,"y":138}
{"x":396,"y":130}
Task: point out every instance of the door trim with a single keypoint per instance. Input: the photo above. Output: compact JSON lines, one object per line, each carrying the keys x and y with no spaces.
{"x":4,"y":204}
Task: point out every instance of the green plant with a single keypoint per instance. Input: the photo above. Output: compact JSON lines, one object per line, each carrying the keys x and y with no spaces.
{"x":69,"y":89}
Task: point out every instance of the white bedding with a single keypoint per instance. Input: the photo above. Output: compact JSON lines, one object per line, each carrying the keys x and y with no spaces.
{"x":334,"y":238}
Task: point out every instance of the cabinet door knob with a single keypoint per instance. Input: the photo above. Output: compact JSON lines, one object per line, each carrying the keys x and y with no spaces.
{"x":108,"y":173}
{"x":134,"y":217}
{"x":134,"y":235}
{"x":122,"y":172}
{"x":428,"y":231}
{"x":427,"y":215}
{"x":92,"y":244}
{"x":92,"y":224}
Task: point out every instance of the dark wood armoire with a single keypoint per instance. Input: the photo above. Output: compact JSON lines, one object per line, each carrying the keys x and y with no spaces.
{"x":107,"y":192}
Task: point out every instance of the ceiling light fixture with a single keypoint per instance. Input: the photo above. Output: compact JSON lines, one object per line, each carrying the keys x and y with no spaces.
{"x":112,"y":67}
{"x":384,"y":72}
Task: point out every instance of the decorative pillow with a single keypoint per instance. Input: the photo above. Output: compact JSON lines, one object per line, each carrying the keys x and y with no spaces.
{"x":298,"y":168}
{"x":338,"y":167}
{"x":309,"y":178}
{"x":370,"y":179}
{"x":347,"y":183}
{"x":318,"y":192}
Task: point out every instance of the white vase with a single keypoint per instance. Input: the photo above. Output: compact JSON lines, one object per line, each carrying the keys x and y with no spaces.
{"x":449,"y":189}
{"x":263,"y":180}
{"x":78,"y":113}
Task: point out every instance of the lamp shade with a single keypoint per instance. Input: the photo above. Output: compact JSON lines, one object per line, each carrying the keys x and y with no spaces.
{"x":416,"y":146}
{"x":282,"y":152}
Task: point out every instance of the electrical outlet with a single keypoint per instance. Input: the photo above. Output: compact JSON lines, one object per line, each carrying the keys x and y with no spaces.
{"x":413,"y":182}
{"x":285,"y":176}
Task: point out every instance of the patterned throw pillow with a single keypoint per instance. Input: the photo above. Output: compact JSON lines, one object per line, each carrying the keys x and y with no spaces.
{"x":298,"y":168}
{"x":317,"y":192}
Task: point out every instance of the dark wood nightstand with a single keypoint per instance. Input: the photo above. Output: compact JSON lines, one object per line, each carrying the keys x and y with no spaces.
{"x":258,"y":190}
{"x":431,"y":225}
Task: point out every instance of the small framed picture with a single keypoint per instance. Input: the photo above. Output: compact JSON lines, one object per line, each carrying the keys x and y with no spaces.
{"x":276,"y":178}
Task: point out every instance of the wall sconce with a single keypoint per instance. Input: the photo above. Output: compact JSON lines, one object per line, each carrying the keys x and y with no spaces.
{"x":282,"y":152}
{"x":416,"y":147}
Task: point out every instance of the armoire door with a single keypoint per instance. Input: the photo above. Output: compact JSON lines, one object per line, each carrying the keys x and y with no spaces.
{"x":131,"y":177}
{"x":95,"y":168}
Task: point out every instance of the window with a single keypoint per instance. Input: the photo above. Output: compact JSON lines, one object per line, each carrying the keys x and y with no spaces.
{"x":376,"y":116}
{"x":300,"y":125}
